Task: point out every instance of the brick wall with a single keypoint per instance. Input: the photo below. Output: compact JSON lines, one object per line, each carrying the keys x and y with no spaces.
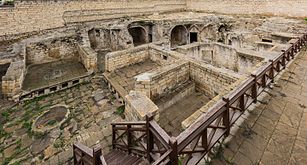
{"x":291,"y":8}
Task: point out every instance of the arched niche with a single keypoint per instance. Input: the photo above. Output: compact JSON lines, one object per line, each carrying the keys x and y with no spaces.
{"x":179,"y":36}
{"x":139,"y":35}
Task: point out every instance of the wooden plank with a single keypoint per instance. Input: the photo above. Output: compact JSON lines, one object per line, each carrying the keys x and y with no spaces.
{"x":162,"y":158}
{"x":130,"y":123}
{"x":84,"y":149}
{"x":158,"y":131}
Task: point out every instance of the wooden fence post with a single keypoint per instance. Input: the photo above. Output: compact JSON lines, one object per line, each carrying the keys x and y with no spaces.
{"x":96,"y":154}
{"x":226,"y":119}
{"x":74,"y":155}
{"x":174,"y":154}
{"x":129,"y":137}
{"x":254,"y":88}
{"x":113,"y":136}
{"x":204,"y":140}
{"x":283,"y":62}
{"x":271,"y":74}
{"x":150,"y":138}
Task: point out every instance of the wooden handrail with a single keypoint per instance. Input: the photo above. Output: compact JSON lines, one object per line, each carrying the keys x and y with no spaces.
{"x":130,"y":123}
{"x":199,"y":126}
{"x":159,"y":132}
{"x":162,"y":158}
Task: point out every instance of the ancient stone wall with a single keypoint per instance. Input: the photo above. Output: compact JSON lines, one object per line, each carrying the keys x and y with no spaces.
{"x":50,"y":50}
{"x":30,"y":15}
{"x":222,"y":56}
{"x":12,"y":81}
{"x":116,"y":60}
{"x":88,"y":57}
{"x":291,"y":8}
{"x":164,"y":79}
{"x":211,"y":81}
{"x":161,"y":57}
{"x":138,"y":105}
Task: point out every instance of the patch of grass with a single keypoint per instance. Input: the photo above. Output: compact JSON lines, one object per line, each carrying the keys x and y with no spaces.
{"x":5,"y":115}
{"x":218,"y":152}
{"x":16,"y":163}
{"x":120,"y":110}
{"x":305,"y":20}
{"x":59,"y":143}
{"x":3,"y":133}
{"x":18,"y":145}
{"x":28,"y":127}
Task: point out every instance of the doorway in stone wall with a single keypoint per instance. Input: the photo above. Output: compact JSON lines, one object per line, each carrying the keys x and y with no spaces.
{"x":193,"y":37}
{"x":139,"y":35}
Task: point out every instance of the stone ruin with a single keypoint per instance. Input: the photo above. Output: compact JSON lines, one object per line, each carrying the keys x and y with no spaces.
{"x":173,"y":64}
{"x":156,"y":60}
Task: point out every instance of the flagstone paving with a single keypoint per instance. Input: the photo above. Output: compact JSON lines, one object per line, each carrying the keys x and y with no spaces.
{"x":275,"y":131}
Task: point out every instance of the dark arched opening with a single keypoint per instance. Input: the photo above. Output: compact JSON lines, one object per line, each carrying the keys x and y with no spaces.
{"x":179,"y":36}
{"x":139,"y":35}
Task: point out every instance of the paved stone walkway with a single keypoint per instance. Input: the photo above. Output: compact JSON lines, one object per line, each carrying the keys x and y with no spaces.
{"x":275,"y":132}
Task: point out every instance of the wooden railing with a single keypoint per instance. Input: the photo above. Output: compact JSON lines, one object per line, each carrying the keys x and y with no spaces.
{"x":146,"y":139}
{"x":84,"y":155}
{"x":196,"y":141}
{"x":149,"y":140}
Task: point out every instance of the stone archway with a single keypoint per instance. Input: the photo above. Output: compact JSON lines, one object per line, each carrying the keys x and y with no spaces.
{"x":139,"y":35}
{"x":179,"y":36}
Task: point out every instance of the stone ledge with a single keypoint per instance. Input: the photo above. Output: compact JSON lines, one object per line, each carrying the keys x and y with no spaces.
{"x":138,"y":105}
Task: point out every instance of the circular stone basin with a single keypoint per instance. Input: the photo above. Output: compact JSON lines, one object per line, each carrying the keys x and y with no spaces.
{"x":52,"y":118}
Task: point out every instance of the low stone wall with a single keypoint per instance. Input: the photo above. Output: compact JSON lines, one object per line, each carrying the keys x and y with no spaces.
{"x":162,"y":79}
{"x":210,"y":80}
{"x":161,"y":56}
{"x":120,"y":59}
{"x":222,"y":56}
{"x":175,"y":95}
{"x":12,"y":81}
{"x":248,"y":60}
{"x":138,"y":105}
{"x":88,"y":57}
